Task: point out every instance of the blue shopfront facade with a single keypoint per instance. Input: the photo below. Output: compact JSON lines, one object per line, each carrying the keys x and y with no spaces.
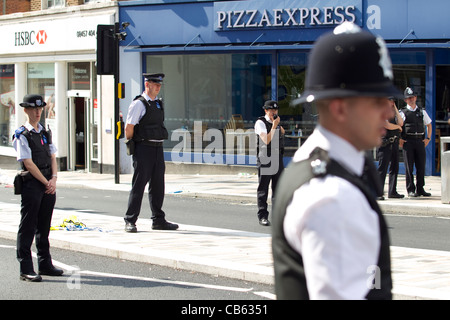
{"x":223,"y":59}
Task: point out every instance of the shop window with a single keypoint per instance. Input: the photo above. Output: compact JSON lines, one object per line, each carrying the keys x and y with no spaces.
{"x":41,"y":80}
{"x":212,"y":89}
{"x":7,"y":111}
{"x":299,"y":120}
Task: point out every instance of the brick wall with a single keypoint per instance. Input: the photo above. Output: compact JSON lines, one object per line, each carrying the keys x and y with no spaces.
{"x":14,"y":6}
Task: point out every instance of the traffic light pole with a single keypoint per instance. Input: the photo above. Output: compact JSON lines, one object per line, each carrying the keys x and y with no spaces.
{"x":116,"y":106}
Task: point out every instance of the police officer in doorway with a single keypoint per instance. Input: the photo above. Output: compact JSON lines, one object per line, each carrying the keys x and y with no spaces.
{"x":146,"y":131}
{"x":269,"y":156}
{"x":36,"y":153}
{"x":387,"y":153}
{"x":414,"y":141}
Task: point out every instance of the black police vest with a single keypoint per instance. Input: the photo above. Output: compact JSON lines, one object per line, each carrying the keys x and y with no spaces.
{"x":413,"y":125}
{"x":265,"y":150}
{"x":39,"y":144}
{"x":290,"y":280}
{"x":151,"y":125}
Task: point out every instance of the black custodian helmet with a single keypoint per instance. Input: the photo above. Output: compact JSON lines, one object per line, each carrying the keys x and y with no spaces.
{"x":348,"y":62}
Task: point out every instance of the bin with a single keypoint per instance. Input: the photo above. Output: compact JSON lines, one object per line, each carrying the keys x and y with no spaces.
{"x":445,"y":169}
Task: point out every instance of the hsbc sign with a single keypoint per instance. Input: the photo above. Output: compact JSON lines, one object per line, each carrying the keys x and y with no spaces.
{"x":67,"y":35}
{"x":26,"y":38}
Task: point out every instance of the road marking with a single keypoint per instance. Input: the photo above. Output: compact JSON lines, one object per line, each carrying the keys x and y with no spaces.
{"x":182,"y":283}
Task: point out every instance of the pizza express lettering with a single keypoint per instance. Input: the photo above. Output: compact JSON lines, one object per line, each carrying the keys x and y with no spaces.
{"x":297,"y":17}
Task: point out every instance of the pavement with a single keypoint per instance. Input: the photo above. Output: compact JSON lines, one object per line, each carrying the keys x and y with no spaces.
{"x":417,"y":273}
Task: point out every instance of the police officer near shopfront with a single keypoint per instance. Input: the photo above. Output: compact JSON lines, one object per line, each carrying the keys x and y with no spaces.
{"x":269,"y":156}
{"x":414,"y":141}
{"x":36,"y":153}
{"x":329,"y":237}
{"x":146,"y":132}
{"x":387,"y":153}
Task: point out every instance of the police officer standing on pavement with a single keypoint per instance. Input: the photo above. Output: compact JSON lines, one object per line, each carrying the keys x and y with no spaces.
{"x":388,"y":156}
{"x":414,"y":141}
{"x":145,"y":130}
{"x":269,"y":156}
{"x":36,"y":153}
{"x":329,"y":238}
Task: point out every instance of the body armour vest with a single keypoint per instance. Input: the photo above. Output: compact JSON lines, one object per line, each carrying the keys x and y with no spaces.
{"x":151,"y":126}
{"x":290,"y":279}
{"x":413,"y":125}
{"x":265,"y":150}
{"x":39,"y":144}
{"x":392,"y":133}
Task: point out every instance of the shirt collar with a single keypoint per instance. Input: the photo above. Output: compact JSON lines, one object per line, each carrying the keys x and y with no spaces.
{"x":267,"y":118}
{"x":31,"y":128}
{"x":147,"y":97}
{"x":411,"y":108}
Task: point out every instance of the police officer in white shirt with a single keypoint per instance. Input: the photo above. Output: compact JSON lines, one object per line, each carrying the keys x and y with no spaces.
{"x":330,"y":240}
{"x":37,"y":156}
{"x":270,"y":150}
{"x":414,"y":141}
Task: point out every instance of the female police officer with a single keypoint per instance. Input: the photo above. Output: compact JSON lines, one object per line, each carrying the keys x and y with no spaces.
{"x":36,"y":153}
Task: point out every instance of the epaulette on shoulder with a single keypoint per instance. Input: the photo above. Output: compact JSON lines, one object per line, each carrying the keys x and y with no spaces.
{"x":19,"y":131}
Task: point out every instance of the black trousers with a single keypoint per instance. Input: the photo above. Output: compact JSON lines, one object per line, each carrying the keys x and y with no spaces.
{"x":388,"y":158}
{"x":36,"y":216}
{"x":414,"y":155}
{"x":149,"y":167}
{"x":263,"y":186}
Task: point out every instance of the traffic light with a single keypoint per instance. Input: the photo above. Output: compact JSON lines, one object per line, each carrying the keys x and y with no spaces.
{"x":106,"y":50}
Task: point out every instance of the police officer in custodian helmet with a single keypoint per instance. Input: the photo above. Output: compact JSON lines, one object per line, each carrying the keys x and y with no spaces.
{"x":36,"y":153}
{"x":329,"y":235}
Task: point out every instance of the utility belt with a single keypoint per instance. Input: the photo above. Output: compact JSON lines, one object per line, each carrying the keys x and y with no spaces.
{"x":387,"y":141}
{"x":151,"y":143}
{"x":24,"y":176}
{"x":414,"y":136}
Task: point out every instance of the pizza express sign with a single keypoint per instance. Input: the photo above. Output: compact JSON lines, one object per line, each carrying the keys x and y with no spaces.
{"x":274,"y":14}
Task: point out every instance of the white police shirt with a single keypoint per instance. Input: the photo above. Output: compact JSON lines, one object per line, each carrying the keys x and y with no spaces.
{"x":331,"y":224}
{"x":22,"y":147}
{"x":426,"y":117}
{"x":260,"y":126}
{"x":137,"y":110}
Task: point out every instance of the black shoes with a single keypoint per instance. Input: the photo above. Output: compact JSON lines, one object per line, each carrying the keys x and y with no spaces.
{"x":165,"y":226}
{"x":131,"y":227}
{"x":396,"y":196}
{"x":53,"y":272}
{"x":264,"y":222}
{"x":418,"y":194}
{"x":33,"y":277}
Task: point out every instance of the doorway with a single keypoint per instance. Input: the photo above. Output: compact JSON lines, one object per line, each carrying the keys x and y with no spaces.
{"x":78,"y":133}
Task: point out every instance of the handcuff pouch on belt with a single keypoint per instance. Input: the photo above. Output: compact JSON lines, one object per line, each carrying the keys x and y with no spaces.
{"x":130,"y":147}
{"x":388,"y":141}
{"x":19,"y":179}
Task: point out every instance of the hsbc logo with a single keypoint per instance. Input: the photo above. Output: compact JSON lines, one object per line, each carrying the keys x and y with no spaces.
{"x":27,"y":38}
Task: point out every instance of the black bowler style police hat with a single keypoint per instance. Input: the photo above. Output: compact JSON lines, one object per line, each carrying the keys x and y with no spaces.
{"x":154,"y":77}
{"x":32,"y":101}
{"x":348,"y":62}
{"x":408,"y":93}
{"x":270,"y":104}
